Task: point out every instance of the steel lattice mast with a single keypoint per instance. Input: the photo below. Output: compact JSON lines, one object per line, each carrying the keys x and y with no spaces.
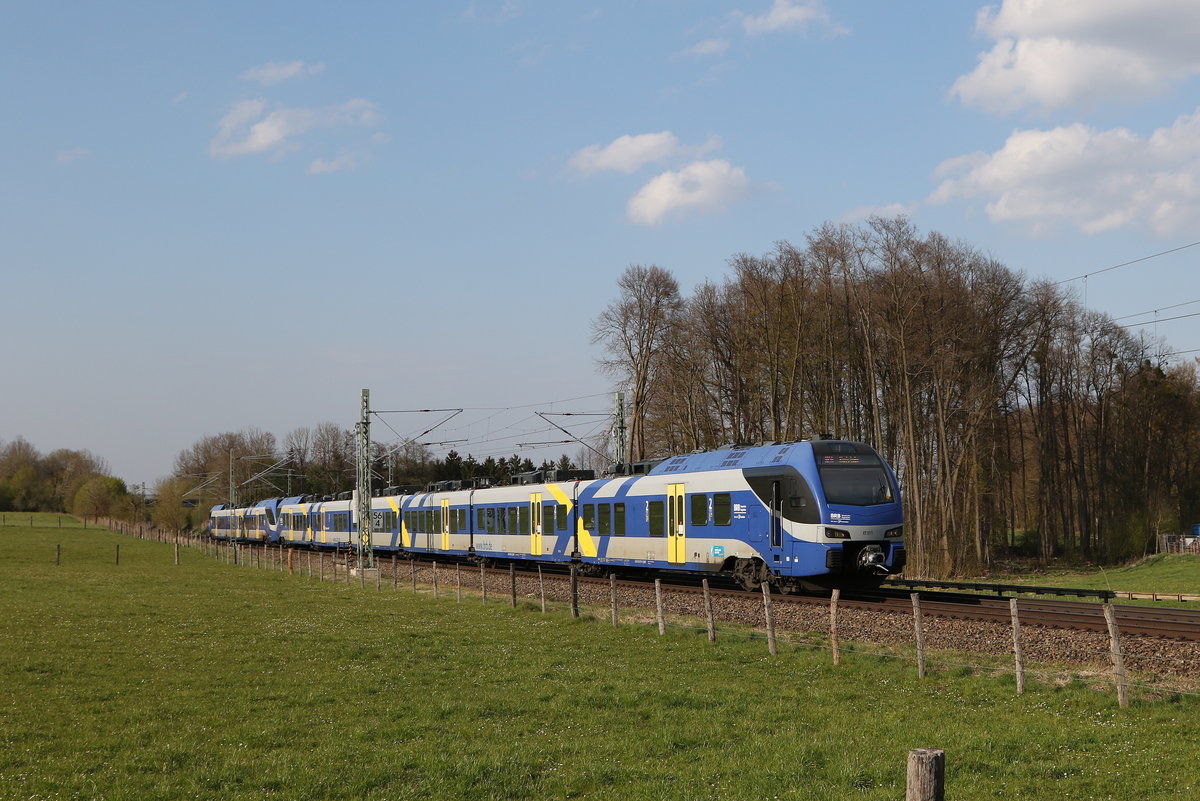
{"x":362,"y":492}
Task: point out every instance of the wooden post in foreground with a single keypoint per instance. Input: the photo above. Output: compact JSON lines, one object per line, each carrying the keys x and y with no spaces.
{"x":58,"y":554}
{"x":457,"y":585}
{"x":574,"y":591}
{"x":833,"y":626}
{"x":919,"y":626}
{"x":772,"y":646}
{"x":612,"y":596}
{"x":118,"y":553}
{"x":413,"y":569}
{"x":926,"y":775}
{"x":708,"y":612}
{"x":512,"y":576}
{"x":542,"y":589}
{"x":1018,"y":654}
{"x":662,"y":623}
{"x":177,"y":553}
{"x":482,"y":585}
{"x":435,"y":582}
{"x":1118,"y":659}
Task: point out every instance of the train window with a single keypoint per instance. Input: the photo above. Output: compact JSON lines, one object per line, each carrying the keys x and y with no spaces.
{"x":462,"y":520}
{"x":722,"y":509}
{"x":619,"y":519}
{"x":654,"y":516}
{"x":548,"y":518}
{"x":700,"y":510}
{"x":589,"y":516}
{"x":561,"y":523}
{"x":437,"y":521}
{"x":605,"y":527}
{"x":491,"y":521}
{"x":480,"y":515}
{"x":512,"y":520}
{"x":453,"y":521}
{"x":524,"y":517}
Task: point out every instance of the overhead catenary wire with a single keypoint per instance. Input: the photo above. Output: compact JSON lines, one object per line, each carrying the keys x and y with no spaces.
{"x":1087,"y":275}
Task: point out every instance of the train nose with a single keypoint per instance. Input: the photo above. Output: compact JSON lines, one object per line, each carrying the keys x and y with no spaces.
{"x":871,"y":559}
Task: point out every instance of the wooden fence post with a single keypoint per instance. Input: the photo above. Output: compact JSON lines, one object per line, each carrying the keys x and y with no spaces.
{"x":1018,"y":654}
{"x":118,"y":553}
{"x":918,"y":625}
{"x":457,"y":586}
{"x":542,"y":589}
{"x":772,"y":646}
{"x":482,"y":585}
{"x":612,"y":596}
{"x":708,"y":612}
{"x":926,"y":775}
{"x":658,"y":606}
{"x":394,"y":576}
{"x":833,"y":626}
{"x":413,"y":569}
{"x":1118,"y":659}
{"x":177,"y":553}
{"x":435,"y":582}
{"x":512,"y":575}
{"x":574,"y":591}
{"x":58,"y":554}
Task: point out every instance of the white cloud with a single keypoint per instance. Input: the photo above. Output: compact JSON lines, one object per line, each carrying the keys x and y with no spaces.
{"x":702,"y":186}
{"x":708,"y":47}
{"x":64,"y":157}
{"x":249,"y":128}
{"x":1054,"y":53}
{"x":179,"y":98}
{"x":275,"y":72}
{"x":629,"y":154}
{"x":790,"y":15}
{"x":344,"y":161}
{"x":1096,"y":180}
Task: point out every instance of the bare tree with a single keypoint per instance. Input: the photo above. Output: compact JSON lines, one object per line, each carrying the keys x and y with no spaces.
{"x":633,"y":330}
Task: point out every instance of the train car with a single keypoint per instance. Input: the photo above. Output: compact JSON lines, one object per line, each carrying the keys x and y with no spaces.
{"x":799,"y":515}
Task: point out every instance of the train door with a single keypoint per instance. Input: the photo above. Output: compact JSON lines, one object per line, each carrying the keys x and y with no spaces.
{"x":445,"y":524}
{"x":535,"y":524}
{"x":776,"y":514}
{"x":676,"y":525}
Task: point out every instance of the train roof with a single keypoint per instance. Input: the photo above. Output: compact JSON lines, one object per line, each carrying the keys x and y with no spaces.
{"x":739,"y":457}
{"x":735,"y":457}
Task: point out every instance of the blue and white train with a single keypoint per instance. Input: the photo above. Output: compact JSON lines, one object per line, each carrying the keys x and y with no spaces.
{"x":820,"y":513}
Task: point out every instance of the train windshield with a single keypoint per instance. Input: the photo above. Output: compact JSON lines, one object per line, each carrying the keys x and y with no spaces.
{"x":856,"y":486}
{"x":852,"y":474}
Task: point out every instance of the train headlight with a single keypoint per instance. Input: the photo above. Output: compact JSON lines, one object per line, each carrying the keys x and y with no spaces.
{"x":898,"y":531}
{"x":837,"y":534}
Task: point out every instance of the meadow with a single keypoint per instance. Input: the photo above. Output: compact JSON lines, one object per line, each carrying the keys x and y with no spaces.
{"x":147,"y":680}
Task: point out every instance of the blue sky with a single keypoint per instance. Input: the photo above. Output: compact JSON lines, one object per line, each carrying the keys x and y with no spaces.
{"x":216,"y":216}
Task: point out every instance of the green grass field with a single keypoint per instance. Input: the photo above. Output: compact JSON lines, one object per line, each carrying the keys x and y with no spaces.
{"x":147,"y":680}
{"x":1177,"y":573}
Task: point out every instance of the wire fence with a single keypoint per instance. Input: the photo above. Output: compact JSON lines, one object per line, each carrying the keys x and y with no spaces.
{"x":556,"y":594}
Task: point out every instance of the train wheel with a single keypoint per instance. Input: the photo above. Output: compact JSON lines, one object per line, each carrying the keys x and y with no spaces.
{"x":751,"y":573}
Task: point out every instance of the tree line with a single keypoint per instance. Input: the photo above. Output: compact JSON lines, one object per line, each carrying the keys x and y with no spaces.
{"x":68,"y":481}
{"x":1018,"y":421}
{"x":318,"y":461}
